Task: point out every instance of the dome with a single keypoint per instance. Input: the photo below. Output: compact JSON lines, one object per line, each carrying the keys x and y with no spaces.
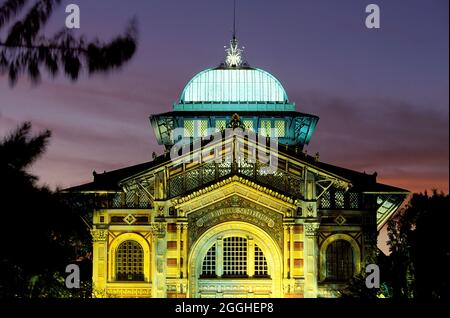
{"x":234,"y":85}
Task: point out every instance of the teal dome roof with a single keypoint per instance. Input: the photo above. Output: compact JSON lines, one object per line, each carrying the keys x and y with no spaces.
{"x":234,"y":85}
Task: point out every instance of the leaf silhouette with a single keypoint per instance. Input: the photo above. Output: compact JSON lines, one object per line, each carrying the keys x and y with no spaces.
{"x":27,"y":52}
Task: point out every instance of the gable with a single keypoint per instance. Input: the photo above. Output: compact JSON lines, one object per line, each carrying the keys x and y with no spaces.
{"x":238,"y":188}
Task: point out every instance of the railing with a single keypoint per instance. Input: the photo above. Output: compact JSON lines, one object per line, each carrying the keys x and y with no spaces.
{"x":206,"y":173}
{"x":122,"y":200}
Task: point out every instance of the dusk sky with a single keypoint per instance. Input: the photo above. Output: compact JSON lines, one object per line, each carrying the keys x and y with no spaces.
{"x":382,"y":95}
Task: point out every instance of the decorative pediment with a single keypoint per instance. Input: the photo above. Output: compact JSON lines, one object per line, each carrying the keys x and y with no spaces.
{"x":235,"y":186}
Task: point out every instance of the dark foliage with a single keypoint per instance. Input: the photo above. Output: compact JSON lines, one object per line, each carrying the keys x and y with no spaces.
{"x":41,"y":234}
{"x":27,"y":51}
{"x":357,"y":287}
{"x":419,"y":253}
{"x":420,"y":250}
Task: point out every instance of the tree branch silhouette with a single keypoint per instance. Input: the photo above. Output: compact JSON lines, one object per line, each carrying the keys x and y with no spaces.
{"x":27,"y":51}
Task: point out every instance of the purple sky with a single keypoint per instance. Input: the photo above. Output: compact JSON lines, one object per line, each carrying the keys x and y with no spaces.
{"x":382,"y":96}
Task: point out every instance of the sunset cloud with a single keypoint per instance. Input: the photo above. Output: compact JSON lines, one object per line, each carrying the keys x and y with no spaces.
{"x":406,"y":144}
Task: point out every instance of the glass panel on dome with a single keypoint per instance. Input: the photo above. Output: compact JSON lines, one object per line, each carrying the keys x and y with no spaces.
{"x":234,"y":85}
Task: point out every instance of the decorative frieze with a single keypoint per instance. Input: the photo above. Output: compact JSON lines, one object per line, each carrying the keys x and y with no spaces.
{"x":242,"y":180}
{"x":158,"y":228}
{"x":129,"y":292}
{"x":311,"y":229}
{"x":235,"y":209}
{"x":99,"y":235}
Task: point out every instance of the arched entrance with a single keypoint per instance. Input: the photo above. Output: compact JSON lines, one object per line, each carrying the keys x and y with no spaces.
{"x":235,"y":259}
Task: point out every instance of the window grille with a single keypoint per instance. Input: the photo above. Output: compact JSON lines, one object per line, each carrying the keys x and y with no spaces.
{"x":339,"y":261}
{"x":144,"y":201}
{"x":280,"y":128}
{"x":202,"y":128}
{"x":294,"y":185}
{"x":354,"y":200}
{"x":176,"y":186}
{"x":209,"y":172}
{"x":130,"y":262}
{"x":235,"y":256}
{"x":248,"y":124}
{"x":224,"y":168}
{"x":188,"y":128}
{"x":261,"y":269}
{"x":265,"y":128}
{"x":246,"y":168}
{"x":221,"y":124}
{"x":339,"y":199}
{"x":131,"y":199}
{"x":117,"y":200}
{"x":234,"y":259}
{"x":192,"y":179}
{"x":209,"y":263}
{"x":325,"y":200}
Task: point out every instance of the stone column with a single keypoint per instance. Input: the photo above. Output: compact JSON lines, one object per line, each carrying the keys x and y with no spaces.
{"x":250,"y":257}
{"x":99,"y":262}
{"x":291,"y":251}
{"x":159,"y":284}
{"x":179,"y":227}
{"x":219,"y":257}
{"x":185,"y":251}
{"x":311,"y":257}
{"x":285,"y":251}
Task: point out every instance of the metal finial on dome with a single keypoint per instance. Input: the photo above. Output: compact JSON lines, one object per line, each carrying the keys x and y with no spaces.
{"x":234,"y":53}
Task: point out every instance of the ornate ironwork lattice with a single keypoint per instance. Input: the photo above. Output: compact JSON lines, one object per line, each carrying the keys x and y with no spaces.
{"x":248,"y":124}
{"x":176,"y":186}
{"x":209,"y":263}
{"x":339,"y":200}
{"x":193,"y":179}
{"x":130,"y":262}
{"x":354,"y":200}
{"x":235,"y":256}
{"x":234,"y":259}
{"x":325,"y":200}
{"x":280,"y":128}
{"x":221,"y":124}
{"x":339,"y":261}
{"x":261,"y":269}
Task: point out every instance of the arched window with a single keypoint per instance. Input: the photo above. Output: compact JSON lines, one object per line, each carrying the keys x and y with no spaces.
{"x":261,"y":269}
{"x":339,"y":261}
{"x":209,"y":263}
{"x":130,"y":261}
{"x":235,"y":258}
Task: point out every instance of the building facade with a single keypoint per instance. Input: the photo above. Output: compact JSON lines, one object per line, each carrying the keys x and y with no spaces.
{"x":234,"y":207}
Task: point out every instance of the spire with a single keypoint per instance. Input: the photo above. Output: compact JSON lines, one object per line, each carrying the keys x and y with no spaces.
{"x":234,"y":20}
{"x":234,"y":53}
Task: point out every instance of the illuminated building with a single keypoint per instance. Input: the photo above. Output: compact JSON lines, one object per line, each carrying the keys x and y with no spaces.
{"x":232,"y":227}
